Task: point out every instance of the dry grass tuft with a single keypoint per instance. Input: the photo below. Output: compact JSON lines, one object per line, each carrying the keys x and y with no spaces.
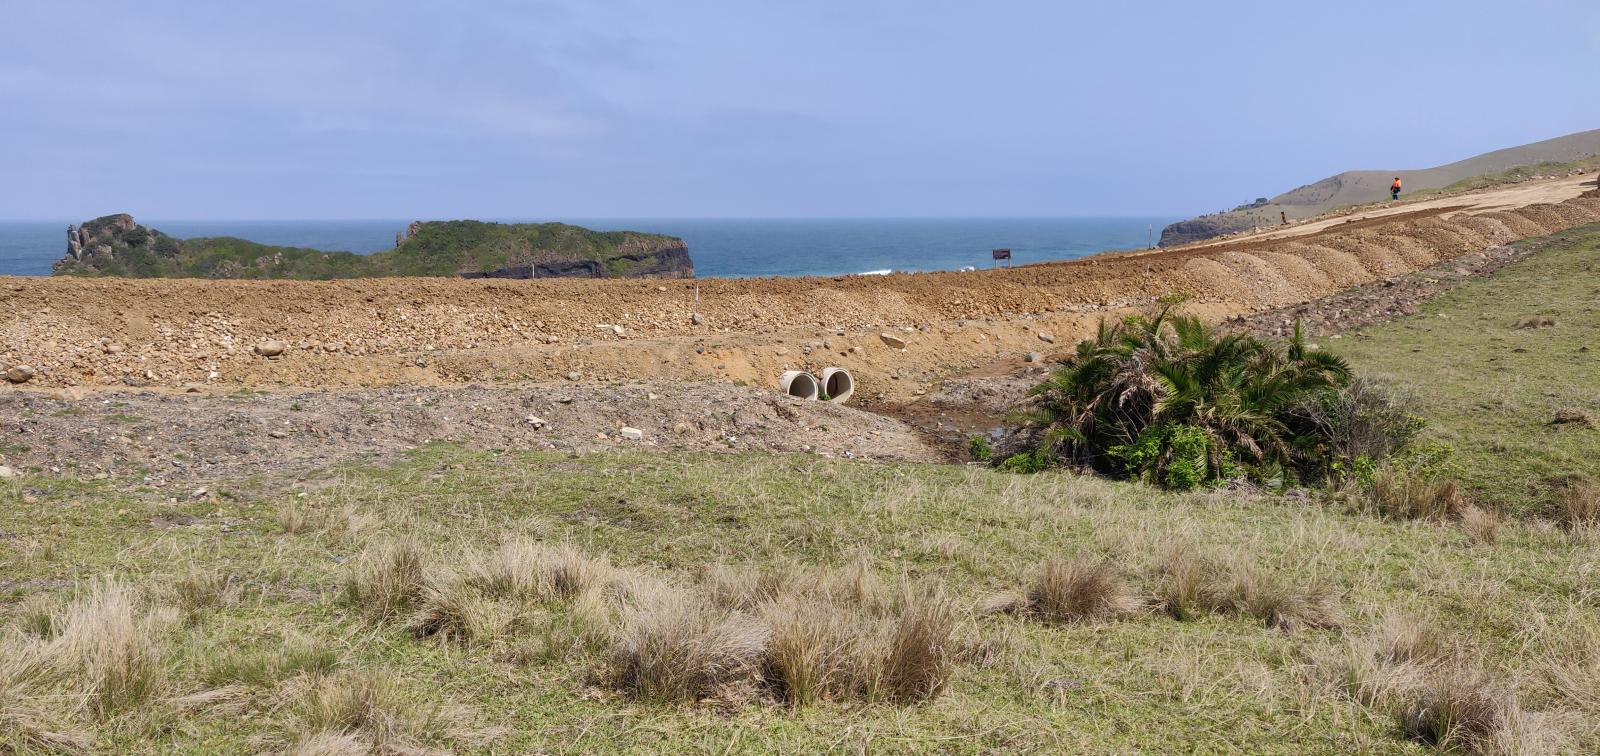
{"x":533,"y":571}
{"x":815,"y":652}
{"x":1459,"y":709}
{"x":109,"y":644}
{"x":1248,"y":590}
{"x":1570,"y":418}
{"x":452,"y":610}
{"x":203,"y":590}
{"x":1537,"y":321}
{"x":917,"y":661}
{"x":1065,"y":592}
{"x":1576,"y":505}
{"x":1405,"y":495}
{"x":335,"y":712}
{"x":388,"y":580}
{"x":1183,"y":576}
{"x":677,"y":648}
{"x":27,"y":723}
{"x":1481,"y":525}
{"x":292,"y":517}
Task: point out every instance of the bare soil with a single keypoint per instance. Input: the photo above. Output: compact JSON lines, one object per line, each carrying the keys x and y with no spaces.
{"x":100,"y":333}
{"x":162,"y":438}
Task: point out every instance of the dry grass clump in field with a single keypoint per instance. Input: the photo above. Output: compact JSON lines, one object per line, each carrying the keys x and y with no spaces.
{"x":797,"y":636}
{"x":486,"y":600}
{"x":1436,"y":693}
{"x":1194,"y":586}
{"x":98,"y":657}
{"x":364,"y":712}
{"x":1536,"y":321}
{"x":1570,"y":418}
{"x":1576,"y":505}
{"x":1481,"y":525}
{"x":1401,"y":494}
{"x":388,"y":580}
{"x":680,"y":647}
{"x":1077,"y":591}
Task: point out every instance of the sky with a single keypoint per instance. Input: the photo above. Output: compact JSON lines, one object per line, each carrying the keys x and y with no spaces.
{"x":296,"y":109}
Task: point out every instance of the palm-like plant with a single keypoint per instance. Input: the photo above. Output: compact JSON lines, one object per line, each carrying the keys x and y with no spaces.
{"x":1153,"y":392}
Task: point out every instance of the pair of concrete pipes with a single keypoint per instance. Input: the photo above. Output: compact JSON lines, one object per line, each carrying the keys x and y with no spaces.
{"x":836,"y":383}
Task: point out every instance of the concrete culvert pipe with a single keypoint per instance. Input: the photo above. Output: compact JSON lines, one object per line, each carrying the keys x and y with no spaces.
{"x":838,"y":384}
{"x":799,"y":383}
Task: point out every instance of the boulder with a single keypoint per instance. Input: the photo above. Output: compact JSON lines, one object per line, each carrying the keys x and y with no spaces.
{"x":271,"y":348}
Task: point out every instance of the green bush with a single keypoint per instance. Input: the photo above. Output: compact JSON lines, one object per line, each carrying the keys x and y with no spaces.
{"x":1162,"y":398}
{"x":979,"y":449}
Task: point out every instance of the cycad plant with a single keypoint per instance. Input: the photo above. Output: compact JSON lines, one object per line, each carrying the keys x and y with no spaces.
{"x":1163,"y":398}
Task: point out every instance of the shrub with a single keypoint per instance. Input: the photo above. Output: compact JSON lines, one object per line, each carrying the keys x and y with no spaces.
{"x":1163,"y":398}
{"x":1342,"y":435}
{"x":979,"y":449}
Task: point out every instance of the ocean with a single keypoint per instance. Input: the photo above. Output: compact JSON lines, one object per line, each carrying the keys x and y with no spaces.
{"x":732,"y":248}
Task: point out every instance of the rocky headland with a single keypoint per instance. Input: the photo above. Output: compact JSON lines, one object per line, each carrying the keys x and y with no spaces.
{"x":116,"y":245}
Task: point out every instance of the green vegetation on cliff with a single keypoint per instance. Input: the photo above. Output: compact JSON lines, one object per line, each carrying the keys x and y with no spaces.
{"x":114,"y":245}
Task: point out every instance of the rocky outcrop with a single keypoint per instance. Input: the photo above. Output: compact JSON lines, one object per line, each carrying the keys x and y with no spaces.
{"x":109,"y":241}
{"x":115,"y":245}
{"x":1206,"y":227}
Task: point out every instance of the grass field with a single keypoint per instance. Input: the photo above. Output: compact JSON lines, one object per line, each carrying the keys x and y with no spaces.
{"x":505,"y":601}
{"x":1492,"y":362}
{"x":241,"y":636}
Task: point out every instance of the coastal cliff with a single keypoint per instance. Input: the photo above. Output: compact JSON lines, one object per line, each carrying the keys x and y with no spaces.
{"x":116,"y":245}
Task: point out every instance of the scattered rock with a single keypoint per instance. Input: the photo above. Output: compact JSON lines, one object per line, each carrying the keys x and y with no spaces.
{"x":19,"y":374}
{"x":699,"y":348}
{"x":893,"y":342}
{"x":1033,"y":357}
{"x":536,"y":421}
{"x":632,"y":434}
{"x":7,"y":473}
{"x":1046,"y":336}
{"x":574,"y":376}
{"x":697,"y":319}
{"x":277,"y":434}
{"x":271,"y":348}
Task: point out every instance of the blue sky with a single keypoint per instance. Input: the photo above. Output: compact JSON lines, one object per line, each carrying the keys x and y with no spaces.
{"x":623,"y":108}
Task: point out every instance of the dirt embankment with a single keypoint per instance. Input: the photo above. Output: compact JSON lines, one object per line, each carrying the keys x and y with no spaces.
{"x":173,"y":333}
{"x":163,"y":438}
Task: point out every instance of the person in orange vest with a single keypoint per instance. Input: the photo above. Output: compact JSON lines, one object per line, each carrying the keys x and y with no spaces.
{"x":1394,"y":189}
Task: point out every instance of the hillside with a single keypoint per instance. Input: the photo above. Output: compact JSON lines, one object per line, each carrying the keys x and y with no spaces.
{"x":115,"y":245}
{"x":1550,"y":157}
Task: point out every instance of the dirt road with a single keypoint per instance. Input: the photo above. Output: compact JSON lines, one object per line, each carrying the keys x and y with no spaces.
{"x":88,"y":334}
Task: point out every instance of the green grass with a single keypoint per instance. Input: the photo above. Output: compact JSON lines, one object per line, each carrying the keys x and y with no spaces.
{"x":1514,"y":176}
{"x":1489,"y":387}
{"x":1223,"y":682}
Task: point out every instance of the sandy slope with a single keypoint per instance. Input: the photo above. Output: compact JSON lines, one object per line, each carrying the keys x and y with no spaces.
{"x":172,"y":333}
